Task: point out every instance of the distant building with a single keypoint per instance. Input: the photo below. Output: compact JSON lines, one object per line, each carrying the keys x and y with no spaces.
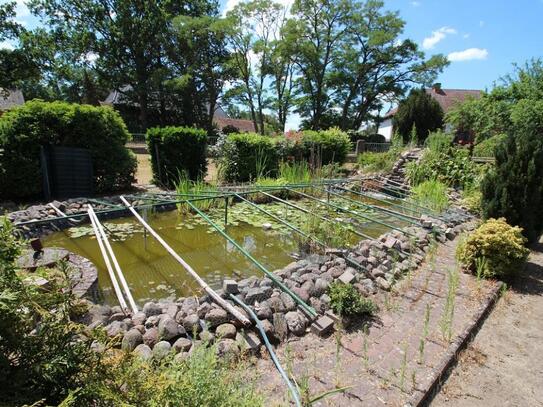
{"x":447,"y":99}
{"x":128,"y":110}
{"x":10,"y":98}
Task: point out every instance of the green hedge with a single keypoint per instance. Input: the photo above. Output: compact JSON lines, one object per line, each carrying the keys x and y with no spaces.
{"x":486,"y":148}
{"x":100,"y":129}
{"x":248,"y":156}
{"x":326,"y":146}
{"x":180,"y":149}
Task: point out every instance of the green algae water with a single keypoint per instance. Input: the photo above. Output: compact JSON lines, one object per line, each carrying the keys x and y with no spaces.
{"x":153,"y":274}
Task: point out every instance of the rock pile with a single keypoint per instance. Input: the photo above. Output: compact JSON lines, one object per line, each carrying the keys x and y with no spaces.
{"x":166,"y":326}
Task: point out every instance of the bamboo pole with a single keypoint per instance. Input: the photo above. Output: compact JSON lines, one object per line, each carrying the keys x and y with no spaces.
{"x":228,"y":307}
{"x":116,"y":265}
{"x":114,"y":281}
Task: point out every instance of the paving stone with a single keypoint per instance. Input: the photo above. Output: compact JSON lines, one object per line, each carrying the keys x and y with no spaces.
{"x":347,"y":277}
{"x":322,"y":326}
{"x":230,"y":287}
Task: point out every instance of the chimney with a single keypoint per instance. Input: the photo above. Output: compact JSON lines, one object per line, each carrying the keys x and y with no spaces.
{"x":436,"y":87}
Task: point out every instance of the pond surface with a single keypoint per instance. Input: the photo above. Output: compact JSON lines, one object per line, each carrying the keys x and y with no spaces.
{"x":152,"y":273}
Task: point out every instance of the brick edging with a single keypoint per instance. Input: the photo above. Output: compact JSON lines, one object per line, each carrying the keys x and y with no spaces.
{"x":424,"y":396}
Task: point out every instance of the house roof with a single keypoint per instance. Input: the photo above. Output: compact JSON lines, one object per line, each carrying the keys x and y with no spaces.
{"x":447,"y":98}
{"x":220,"y":118}
{"x":242,"y":125}
{"x":10,"y":98}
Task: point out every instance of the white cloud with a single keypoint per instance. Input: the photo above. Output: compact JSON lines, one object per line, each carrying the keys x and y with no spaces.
{"x":466,"y":35}
{"x":416,"y":3}
{"x":481,"y":23}
{"x":6,"y":45}
{"x":437,"y":36}
{"x":468,"y":54}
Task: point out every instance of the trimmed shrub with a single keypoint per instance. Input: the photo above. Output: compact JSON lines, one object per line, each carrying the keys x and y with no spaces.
{"x":181,"y":150}
{"x":487,"y":148}
{"x":325,"y":146}
{"x":249,"y":156}
{"x":346,"y":301}
{"x":513,"y":189}
{"x":495,"y":246}
{"x":100,"y":129}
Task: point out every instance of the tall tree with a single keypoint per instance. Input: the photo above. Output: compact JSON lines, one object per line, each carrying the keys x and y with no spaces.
{"x":254,"y":28}
{"x":317,"y":32}
{"x":127,"y":38}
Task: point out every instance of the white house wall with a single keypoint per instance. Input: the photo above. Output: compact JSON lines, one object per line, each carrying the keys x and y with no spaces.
{"x":385,"y":129}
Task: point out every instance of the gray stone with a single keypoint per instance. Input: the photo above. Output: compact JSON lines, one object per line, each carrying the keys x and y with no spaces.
{"x":116,"y":328}
{"x":161,"y":350}
{"x":321,"y":286}
{"x":248,"y":342}
{"x":150,"y":337}
{"x":182,"y":345}
{"x":347,"y":277}
{"x":171,"y":310}
{"x":151,"y":308}
{"x":377,"y":272}
{"x":143,"y":352}
{"x":169,"y":329}
{"x":152,"y":321}
{"x":322,"y":326}
{"x":316,"y":304}
{"x":449,"y":234}
{"x":335,"y":272}
{"x":288,"y":301}
{"x":257,"y":294}
{"x":295,"y":323}
{"x":216,"y":316}
{"x":263,"y":310}
{"x":392,"y":243}
{"x":280,"y":326}
{"x":131,"y":339}
{"x":180,"y":357}
{"x":226,"y":331}
{"x":268,"y":328}
{"x":276,"y":304}
{"x":230,"y":287}
{"x":203,"y":309}
{"x":302,"y":293}
{"x":227,"y":347}
{"x":373,"y":261}
{"x":382,"y":283}
{"x":139,"y":318}
{"x":191,"y":323}
{"x":190,"y":305}
{"x":117,"y":317}
{"x":206,"y":336}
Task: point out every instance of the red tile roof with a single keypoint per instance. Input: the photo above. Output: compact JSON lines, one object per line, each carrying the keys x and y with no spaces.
{"x":244,"y":126}
{"x":447,"y":98}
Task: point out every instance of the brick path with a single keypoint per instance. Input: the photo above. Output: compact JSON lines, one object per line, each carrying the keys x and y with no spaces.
{"x":371,"y":357}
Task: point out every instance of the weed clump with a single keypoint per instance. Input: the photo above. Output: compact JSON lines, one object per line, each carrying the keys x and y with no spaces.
{"x":346,"y":301}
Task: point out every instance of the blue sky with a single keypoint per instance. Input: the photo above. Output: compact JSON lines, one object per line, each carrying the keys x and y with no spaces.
{"x":483,"y":38}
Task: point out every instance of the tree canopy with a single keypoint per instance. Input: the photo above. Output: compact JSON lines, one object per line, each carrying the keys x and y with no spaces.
{"x":334,"y":62}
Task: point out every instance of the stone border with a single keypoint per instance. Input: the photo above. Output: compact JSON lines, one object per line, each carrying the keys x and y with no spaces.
{"x":423,"y":397}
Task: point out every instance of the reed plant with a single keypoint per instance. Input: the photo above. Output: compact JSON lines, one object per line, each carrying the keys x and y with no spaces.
{"x":432,"y":194}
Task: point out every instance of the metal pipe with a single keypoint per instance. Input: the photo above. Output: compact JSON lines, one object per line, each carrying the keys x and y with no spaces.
{"x":273,"y":356}
{"x":109,"y":249}
{"x":238,"y":315}
{"x":379,"y":200}
{"x":272,"y":276}
{"x":114,"y":282}
{"x":403,"y":217}
{"x":351,"y":212}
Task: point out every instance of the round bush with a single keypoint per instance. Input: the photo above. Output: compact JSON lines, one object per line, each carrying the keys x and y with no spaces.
{"x":326,"y":146}
{"x":178,"y":150}
{"x":496,"y":247}
{"x":486,"y":148}
{"x":100,"y":129}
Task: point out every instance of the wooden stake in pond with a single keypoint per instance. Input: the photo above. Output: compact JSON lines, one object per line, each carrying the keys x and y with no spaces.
{"x":114,"y":281}
{"x":227,"y":306}
{"x":124,"y":284}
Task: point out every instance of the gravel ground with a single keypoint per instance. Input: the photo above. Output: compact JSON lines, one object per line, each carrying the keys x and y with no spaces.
{"x":503,"y":366}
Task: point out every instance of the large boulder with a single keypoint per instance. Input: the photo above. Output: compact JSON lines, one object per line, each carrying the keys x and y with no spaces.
{"x":161,"y":350}
{"x":169,"y":329}
{"x":216,"y":316}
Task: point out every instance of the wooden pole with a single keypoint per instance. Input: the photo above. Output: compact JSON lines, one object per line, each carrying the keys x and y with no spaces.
{"x":124,"y":284}
{"x":114,"y":281}
{"x":228,"y":307}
